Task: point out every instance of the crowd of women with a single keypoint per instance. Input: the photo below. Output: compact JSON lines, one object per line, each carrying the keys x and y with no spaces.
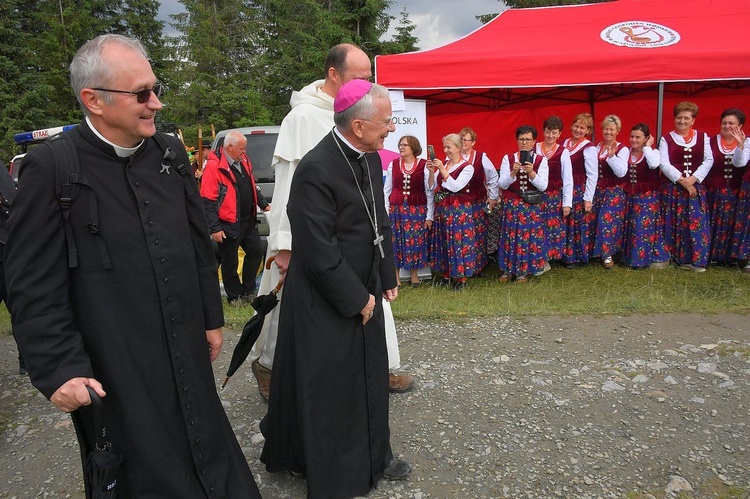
{"x":687,"y":200}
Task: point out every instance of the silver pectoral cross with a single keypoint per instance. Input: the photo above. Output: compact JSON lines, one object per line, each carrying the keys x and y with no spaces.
{"x":378,"y":241}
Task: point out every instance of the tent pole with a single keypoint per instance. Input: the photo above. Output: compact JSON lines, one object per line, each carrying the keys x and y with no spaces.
{"x":659,"y":111}
{"x":593,"y":114}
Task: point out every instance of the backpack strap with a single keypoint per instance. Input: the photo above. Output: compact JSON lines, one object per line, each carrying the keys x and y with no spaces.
{"x":68,"y":180}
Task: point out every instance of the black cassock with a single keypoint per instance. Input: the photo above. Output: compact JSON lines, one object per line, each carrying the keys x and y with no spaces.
{"x":328,"y":411}
{"x":138,"y":327}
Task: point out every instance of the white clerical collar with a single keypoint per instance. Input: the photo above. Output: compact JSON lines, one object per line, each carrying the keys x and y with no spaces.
{"x":122,"y":152}
{"x":338,"y":134}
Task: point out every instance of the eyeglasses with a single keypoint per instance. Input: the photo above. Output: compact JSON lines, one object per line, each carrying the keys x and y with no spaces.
{"x":141,"y":96}
{"x":386,"y":122}
{"x":525,"y":140}
{"x":403,"y":145}
{"x":466,"y":140}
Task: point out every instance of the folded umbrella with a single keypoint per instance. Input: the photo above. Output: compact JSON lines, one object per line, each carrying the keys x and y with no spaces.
{"x":262,"y":305}
{"x":101,"y":464}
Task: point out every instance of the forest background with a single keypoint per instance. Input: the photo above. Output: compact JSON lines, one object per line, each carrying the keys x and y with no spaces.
{"x":229,"y":63}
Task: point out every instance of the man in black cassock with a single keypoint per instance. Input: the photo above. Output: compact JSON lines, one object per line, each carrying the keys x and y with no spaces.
{"x":328,"y":411}
{"x":135,"y":312}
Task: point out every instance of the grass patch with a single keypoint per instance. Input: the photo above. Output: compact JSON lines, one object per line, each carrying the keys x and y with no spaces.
{"x":589,"y":290}
{"x":732,"y":350}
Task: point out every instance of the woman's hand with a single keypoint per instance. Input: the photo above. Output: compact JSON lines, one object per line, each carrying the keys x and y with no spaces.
{"x":428,"y":224}
{"x":738,"y":135}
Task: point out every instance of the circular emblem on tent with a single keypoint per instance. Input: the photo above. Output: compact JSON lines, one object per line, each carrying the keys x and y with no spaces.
{"x":640,"y":34}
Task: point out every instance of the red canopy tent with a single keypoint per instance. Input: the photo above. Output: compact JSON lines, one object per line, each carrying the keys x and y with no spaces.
{"x":632,"y":58}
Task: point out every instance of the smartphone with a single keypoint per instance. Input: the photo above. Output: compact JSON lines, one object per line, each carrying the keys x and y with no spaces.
{"x":524,"y":157}
{"x":430,"y":152}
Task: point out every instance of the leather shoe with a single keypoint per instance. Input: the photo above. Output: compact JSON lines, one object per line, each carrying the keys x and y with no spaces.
{"x":397,"y":470}
{"x":263,"y":376}
{"x":400,"y":384}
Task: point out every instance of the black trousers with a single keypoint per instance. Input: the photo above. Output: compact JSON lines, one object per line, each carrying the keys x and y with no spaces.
{"x":249,"y":240}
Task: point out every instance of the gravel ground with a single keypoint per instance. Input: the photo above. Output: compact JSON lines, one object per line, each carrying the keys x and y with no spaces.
{"x":636,"y":407}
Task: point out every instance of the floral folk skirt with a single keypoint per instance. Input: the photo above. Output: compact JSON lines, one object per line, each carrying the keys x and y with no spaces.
{"x":686,"y":225}
{"x":576,"y":249}
{"x":410,"y":243}
{"x":520,"y":250}
{"x":554,"y":225}
{"x":609,"y":222}
{"x":482,"y":227}
{"x":453,"y":243}
{"x":722,"y":205}
{"x":741,"y":234}
{"x":644,"y":239}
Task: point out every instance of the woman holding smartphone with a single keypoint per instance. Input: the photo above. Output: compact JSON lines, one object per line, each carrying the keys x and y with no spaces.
{"x":453,"y":247}
{"x":408,"y":192}
{"x":523,"y":178}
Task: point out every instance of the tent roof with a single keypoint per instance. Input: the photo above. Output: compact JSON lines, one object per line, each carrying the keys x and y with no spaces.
{"x":688,"y":40}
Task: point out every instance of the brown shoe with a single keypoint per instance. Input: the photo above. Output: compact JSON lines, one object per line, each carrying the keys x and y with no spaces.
{"x":263,"y":375}
{"x":400,"y":384}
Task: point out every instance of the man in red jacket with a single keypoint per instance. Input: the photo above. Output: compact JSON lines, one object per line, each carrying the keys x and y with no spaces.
{"x":230,"y":197}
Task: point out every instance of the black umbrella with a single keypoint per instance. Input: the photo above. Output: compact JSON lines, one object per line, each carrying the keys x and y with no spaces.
{"x":262,"y":305}
{"x":101,"y":464}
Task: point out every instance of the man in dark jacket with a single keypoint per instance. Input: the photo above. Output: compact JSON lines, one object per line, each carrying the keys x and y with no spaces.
{"x":230,"y":197}
{"x":135,"y":312}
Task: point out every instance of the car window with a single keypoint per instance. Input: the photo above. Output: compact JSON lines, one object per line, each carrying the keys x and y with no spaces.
{"x":260,"y":148}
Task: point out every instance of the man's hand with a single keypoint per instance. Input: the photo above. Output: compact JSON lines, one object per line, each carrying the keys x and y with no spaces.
{"x":369,"y":310}
{"x":215,"y":340}
{"x":218,"y":236}
{"x":73,"y":394}
{"x":390,"y":294}
{"x":282,"y":263}
{"x":267,"y":208}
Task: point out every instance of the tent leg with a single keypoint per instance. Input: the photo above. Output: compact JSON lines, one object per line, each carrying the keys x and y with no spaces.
{"x":659,"y":111}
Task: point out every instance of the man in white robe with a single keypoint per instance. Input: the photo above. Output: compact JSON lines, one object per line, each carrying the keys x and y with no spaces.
{"x":310,"y":119}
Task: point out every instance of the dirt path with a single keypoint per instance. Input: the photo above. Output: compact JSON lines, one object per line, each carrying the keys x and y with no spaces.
{"x":537,"y":407}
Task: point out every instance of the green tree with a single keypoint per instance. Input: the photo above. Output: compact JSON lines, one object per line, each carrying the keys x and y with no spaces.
{"x":39,"y":38}
{"x":404,"y":40}
{"x":210,"y":67}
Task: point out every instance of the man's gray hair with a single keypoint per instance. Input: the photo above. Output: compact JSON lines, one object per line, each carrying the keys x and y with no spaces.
{"x":363,"y":109}
{"x":233,"y":138}
{"x":89,"y":69}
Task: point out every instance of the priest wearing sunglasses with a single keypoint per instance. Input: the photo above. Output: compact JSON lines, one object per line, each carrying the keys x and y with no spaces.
{"x":116,"y":290}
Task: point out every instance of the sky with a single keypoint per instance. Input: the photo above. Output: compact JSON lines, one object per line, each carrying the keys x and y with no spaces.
{"x":438,"y":21}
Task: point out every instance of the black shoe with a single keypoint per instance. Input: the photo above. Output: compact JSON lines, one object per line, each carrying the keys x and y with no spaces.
{"x":571,"y":266}
{"x":237,"y":302}
{"x":443,"y":282}
{"x":416,"y":284}
{"x":397,"y":470}
{"x":459,"y":286}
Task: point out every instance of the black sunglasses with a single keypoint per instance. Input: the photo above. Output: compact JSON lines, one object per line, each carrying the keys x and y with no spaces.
{"x":141,"y":96}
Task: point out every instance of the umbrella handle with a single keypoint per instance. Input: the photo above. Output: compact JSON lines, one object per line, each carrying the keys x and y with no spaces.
{"x":268,"y":267}
{"x":100,"y":425}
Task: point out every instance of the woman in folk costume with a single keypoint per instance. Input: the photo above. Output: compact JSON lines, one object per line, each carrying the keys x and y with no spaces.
{"x":609,"y":200}
{"x":483,"y":189}
{"x":723,"y":182}
{"x":558,"y":199}
{"x":523,"y":178}
{"x":453,"y":246}
{"x":585,"y":168}
{"x":643,"y":242}
{"x":408,"y":193}
{"x":686,"y":159}
{"x":741,"y":234}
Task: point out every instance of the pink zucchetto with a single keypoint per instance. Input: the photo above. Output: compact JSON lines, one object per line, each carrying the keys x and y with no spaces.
{"x":350,"y":94}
